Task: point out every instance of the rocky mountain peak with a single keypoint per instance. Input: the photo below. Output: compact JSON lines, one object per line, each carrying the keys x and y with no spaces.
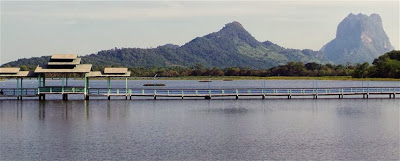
{"x":359,"y":38}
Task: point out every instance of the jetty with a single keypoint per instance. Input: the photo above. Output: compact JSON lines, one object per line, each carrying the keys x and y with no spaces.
{"x":64,"y":66}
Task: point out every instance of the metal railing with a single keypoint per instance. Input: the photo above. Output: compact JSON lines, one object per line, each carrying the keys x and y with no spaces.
{"x":242,"y":91}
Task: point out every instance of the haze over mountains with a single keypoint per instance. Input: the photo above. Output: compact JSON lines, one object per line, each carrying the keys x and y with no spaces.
{"x":359,"y":38}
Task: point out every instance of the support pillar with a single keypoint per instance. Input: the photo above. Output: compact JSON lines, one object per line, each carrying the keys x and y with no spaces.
{"x":126,"y":87}
{"x":21,"y":87}
{"x":44,"y":81}
{"x":65,"y":97}
{"x":39,"y":81}
{"x":263,"y":97}
{"x":108,"y":84}
{"x":237,"y":97}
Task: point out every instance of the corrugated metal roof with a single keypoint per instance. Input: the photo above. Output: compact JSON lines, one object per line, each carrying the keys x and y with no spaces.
{"x":81,"y":68}
{"x":9,"y":70}
{"x":115,"y":70}
{"x":64,"y":56}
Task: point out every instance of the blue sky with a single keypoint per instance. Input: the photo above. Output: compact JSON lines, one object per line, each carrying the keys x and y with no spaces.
{"x":37,"y":28}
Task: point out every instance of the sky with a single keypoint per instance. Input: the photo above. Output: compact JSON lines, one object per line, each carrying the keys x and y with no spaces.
{"x":39,"y":28}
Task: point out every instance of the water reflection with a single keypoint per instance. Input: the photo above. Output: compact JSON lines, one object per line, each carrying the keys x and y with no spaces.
{"x":42,"y":112}
{"x":268,"y":129}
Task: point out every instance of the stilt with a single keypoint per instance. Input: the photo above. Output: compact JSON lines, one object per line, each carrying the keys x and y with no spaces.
{"x":394,"y":95}
{"x":155,"y":97}
{"x":109,"y":97}
{"x":130,"y":97}
{"x":263,"y":97}
{"x":86,"y":97}
{"x":65,"y":97}
{"x":237,"y":97}
{"x":207,"y":97}
{"x":390,"y":95}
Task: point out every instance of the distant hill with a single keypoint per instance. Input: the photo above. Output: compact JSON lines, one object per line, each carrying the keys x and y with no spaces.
{"x":232,"y":46}
{"x":359,"y":38}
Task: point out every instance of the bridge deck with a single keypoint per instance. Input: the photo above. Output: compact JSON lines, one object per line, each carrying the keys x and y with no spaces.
{"x":206,"y":93}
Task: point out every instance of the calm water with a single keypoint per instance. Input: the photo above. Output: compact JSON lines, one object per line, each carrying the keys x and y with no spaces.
{"x":253,"y":129}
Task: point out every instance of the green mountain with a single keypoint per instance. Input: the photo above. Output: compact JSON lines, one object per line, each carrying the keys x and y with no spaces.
{"x":232,"y":46}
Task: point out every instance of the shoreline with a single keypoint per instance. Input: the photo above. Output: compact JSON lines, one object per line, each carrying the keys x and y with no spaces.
{"x":232,"y":78}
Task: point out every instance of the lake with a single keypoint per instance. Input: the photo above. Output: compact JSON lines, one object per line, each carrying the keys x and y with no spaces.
{"x":198,"y":129}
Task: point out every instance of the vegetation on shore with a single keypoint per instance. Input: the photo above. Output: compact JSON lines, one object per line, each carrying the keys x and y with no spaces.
{"x":385,"y":67}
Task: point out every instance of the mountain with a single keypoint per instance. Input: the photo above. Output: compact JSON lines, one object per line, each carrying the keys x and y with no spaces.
{"x":359,"y":38}
{"x":232,"y":46}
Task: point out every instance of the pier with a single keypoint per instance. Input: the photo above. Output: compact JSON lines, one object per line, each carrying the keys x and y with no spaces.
{"x":64,"y":66}
{"x":262,"y":93}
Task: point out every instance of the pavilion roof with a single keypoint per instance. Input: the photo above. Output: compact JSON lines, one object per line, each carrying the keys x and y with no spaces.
{"x":81,"y":68}
{"x":9,"y":70}
{"x":110,"y":72}
{"x":15,"y":73}
{"x":76,"y":61}
{"x":64,"y":56}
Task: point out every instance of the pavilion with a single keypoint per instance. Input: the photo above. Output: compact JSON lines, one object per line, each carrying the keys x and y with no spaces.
{"x":10,"y":73}
{"x":108,"y":73}
{"x":61,"y":65}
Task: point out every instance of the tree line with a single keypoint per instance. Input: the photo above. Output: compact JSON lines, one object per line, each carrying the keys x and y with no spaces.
{"x":385,"y":66}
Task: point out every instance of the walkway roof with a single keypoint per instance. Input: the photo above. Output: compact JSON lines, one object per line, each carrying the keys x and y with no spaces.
{"x":76,"y":61}
{"x":81,"y":68}
{"x":15,"y":73}
{"x":64,"y":56}
{"x":110,"y":72}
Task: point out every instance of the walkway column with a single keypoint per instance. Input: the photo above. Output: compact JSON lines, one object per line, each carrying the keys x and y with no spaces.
{"x":108,"y":85}
{"x":21,"y":87}
{"x":39,"y":81}
{"x":44,"y":80}
{"x":126,"y":88}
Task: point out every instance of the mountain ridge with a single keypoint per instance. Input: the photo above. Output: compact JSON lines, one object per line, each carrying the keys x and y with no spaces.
{"x":231,"y":46}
